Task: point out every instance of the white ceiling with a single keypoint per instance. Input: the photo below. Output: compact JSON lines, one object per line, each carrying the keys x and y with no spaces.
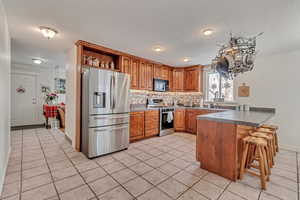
{"x":135,"y":26}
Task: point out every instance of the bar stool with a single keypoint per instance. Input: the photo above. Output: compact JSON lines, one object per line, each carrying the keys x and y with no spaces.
{"x":275,"y":129}
{"x":255,"y":148}
{"x":271,"y":148}
{"x":273,"y":132}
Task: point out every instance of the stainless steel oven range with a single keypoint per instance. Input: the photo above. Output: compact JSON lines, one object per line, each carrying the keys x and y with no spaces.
{"x":166,"y":121}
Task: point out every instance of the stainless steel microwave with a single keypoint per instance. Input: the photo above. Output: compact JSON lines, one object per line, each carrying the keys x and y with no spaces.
{"x":160,"y":85}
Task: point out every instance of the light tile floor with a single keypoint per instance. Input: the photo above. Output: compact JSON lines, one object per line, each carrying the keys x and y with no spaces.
{"x":43,"y":165}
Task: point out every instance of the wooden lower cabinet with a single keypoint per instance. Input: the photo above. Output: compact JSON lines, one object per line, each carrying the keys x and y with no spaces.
{"x":191,"y":121}
{"x":144,"y":124}
{"x":191,"y":118}
{"x":137,"y":125}
{"x":179,"y":120}
{"x":151,"y":123}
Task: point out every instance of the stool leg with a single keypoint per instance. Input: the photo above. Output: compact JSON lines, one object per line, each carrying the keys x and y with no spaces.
{"x":245,"y":151}
{"x":276,"y":142}
{"x":265,"y":154}
{"x":262,"y":169}
{"x":274,"y":145}
{"x":271,"y":154}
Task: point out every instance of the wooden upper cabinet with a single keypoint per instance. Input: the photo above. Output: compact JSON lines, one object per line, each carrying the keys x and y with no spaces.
{"x":164,"y":73}
{"x":142,"y":76}
{"x":134,"y":73}
{"x":157,"y":71}
{"x":161,"y":72}
{"x":126,"y":65}
{"x":170,"y":79}
{"x":193,"y":79}
{"x":137,"y":125}
{"x":178,"y":80}
{"x":149,"y":76}
{"x":179,"y":120}
{"x":146,"y":76}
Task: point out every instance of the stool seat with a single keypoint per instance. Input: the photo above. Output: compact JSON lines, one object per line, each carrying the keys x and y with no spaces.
{"x":262,"y":135}
{"x":255,"y":140}
{"x":266,"y":130}
{"x":270,"y":126}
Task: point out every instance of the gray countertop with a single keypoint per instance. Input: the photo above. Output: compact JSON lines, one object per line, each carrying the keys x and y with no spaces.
{"x":136,"y":108}
{"x":247,"y":118}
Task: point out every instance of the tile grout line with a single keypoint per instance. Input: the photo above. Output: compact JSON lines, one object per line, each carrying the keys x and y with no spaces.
{"x":75,"y":169}
{"x":42,"y":148}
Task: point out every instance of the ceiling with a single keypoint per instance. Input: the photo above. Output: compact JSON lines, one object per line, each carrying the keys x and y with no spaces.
{"x":135,"y":26}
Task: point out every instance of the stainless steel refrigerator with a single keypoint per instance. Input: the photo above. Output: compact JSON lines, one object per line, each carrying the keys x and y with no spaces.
{"x":105,"y":112}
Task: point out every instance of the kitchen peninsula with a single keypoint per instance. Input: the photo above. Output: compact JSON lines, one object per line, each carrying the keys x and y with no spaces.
{"x":219,"y":137}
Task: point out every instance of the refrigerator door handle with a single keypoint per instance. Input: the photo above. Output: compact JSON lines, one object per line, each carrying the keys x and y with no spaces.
{"x":111,"y":92}
{"x":110,"y":129}
{"x":101,"y":118}
{"x":114,"y":95}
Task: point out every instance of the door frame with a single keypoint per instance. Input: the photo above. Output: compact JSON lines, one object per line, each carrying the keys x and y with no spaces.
{"x":34,"y":75}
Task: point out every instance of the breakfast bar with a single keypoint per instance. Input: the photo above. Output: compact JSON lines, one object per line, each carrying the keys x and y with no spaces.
{"x":219,"y":148}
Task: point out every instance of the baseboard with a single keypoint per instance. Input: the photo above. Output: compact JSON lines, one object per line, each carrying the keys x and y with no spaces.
{"x":2,"y":179}
{"x":289,"y":147}
{"x":15,"y":128}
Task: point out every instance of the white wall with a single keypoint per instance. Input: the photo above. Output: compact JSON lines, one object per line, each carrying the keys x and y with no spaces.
{"x":70,"y":128}
{"x":274,"y":82}
{"x":45,"y":77}
{"x":5,"y":94}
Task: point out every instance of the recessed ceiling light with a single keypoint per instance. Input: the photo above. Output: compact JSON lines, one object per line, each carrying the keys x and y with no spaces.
{"x":37,"y":61}
{"x":48,"y":32}
{"x":158,"y":49}
{"x":208,"y":32}
{"x":186,"y":60}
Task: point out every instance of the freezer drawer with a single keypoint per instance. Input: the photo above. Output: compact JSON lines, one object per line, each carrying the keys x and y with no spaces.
{"x":104,"y":140}
{"x":107,"y":120}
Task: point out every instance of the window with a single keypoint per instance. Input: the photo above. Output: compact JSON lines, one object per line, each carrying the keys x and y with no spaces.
{"x":218,"y":87}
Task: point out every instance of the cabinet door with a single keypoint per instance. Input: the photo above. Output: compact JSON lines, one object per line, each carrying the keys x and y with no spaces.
{"x":149,"y":76}
{"x":193,"y":79}
{"x":126,"y":65}
{"x":134,"y":72}
{"x":137,"y":126}
{"x":171,"y":79}
{"x":143,"y":76}
{"x":157,"y":71}
{"x":164,"y":73}
{"x":188,"y":120}
{"x":151,"y":123}
{"x":194,"y":122}
{"x":178,"y":80}
{"x":179,"y":120}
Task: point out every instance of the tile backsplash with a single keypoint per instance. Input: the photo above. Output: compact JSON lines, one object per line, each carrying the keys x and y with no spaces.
{"x":140,"y":97}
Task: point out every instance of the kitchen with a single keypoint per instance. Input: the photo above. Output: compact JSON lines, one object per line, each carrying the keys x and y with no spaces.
{"x":163,"y":100}
{"x":108,"y":119}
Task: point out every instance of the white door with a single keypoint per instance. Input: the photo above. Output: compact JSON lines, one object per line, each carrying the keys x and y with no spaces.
{"x":23,"y":99}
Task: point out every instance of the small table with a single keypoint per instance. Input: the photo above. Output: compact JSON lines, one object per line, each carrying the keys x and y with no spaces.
{"x":49,"y":111}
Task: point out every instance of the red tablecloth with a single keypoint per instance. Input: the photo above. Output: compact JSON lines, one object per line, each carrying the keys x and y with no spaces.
{"x":49,"y":110}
